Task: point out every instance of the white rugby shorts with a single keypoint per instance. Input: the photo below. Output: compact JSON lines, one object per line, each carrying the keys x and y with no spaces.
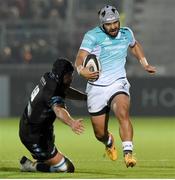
{"x":100,"y":97}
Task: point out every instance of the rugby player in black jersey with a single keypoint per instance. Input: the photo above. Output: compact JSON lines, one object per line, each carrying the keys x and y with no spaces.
{"x":46,"y":103}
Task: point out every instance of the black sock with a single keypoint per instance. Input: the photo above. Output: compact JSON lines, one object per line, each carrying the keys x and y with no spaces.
{"x":126,"y":152}
{"x":109,"y":145}
{"x":43,"y":167}
{"x":108,"y":142}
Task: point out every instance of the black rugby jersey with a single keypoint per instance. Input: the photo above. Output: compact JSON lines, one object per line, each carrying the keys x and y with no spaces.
{"x":38,"y":113}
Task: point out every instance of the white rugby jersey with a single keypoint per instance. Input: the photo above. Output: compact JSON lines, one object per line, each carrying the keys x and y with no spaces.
{"x":110,"y":51}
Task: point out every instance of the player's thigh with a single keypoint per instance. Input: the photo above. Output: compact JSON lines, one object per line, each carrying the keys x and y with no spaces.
{"x":97,"y":100}
{"x":41,"y":147}
{"x":121,"y":105}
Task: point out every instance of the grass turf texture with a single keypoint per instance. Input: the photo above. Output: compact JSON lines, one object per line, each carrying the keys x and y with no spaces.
{"x":154,"y":140}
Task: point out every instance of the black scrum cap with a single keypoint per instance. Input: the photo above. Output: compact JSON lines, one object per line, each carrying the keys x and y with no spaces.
{"x":62,"y":66}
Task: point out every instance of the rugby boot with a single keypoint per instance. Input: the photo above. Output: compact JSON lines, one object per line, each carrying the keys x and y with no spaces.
{"x":27,"y":165}
{"x":130,"y":161}
{"x":111,"y":151}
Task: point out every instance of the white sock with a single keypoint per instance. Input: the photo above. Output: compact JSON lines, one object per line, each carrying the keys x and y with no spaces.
{"x":127,"y":145}
{"x":61,"y":166}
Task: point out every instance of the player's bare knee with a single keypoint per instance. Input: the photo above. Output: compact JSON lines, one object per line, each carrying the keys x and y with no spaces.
{"x":122,"y":115}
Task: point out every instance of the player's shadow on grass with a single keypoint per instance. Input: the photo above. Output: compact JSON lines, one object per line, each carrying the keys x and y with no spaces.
{"x":9,"y":169}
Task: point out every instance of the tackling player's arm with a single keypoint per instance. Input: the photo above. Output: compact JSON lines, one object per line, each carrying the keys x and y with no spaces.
{"x":138,"y":52}
{"x":82,"y":54}
{"x":75,"y":94}
{"x":64,"y":116}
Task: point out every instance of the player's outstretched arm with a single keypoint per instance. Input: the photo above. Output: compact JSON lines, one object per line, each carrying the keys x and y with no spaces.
{"x":75,"y":94}
{"x":76,"y":125}
{"x":138,"y":52}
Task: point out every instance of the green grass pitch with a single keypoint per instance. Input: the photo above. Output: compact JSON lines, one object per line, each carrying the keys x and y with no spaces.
{"x":154,"y":142}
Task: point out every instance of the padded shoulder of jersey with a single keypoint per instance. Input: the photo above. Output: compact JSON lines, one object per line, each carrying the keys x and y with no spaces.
{"x":93,"y":32}
{"x":126,"y":30}
{"x":49,"y":88}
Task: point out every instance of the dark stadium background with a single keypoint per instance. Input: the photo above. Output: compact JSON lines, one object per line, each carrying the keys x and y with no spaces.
{"x":33,"y":33}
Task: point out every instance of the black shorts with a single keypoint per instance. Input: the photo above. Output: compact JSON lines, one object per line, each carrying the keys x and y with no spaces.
{"x":40,"y":145}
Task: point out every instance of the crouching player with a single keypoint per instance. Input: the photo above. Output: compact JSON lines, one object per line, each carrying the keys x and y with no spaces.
{"x":46,"y":103}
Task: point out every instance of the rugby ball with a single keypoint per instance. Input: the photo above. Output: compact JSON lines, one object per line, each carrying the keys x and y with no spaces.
{"x":93,"y":63}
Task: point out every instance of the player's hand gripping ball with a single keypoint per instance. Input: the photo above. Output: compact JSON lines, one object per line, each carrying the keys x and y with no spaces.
{"x":93,"y":63}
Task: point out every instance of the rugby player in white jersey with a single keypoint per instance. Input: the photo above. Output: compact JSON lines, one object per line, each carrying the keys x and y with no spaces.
{"x":110,"y":42}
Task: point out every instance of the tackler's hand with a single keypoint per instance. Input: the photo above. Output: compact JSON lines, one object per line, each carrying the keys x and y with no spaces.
{"x":77,"y":126}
